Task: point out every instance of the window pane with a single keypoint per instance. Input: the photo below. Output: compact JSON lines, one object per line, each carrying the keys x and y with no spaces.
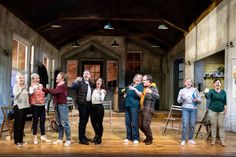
{"x":181,"y":75}
{"x":22,"y":52}
{"x":14,"y":54}
{"x":71,"y":71}
{"x":136,"y":56}
{"x":86,"y":67}
{"x":181,"y":83}
{"x":97,"y":75}
{"x":136,"y":67}
{"x":181,"y":67}
{"x":92,"y":68}
{"x":97,"y":68}
{"x":129,"y":56}
{"x":112,"y":70}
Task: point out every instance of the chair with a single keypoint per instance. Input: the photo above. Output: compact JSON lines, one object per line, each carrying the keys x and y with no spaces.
{"x":108,"y":105}
{"x":6,"y":123}
{"x":206,"y":122}
{"x":175,"y":114}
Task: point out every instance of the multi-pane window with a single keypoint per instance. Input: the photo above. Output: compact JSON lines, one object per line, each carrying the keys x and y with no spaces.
{"x":112,"y":71}
{"x":95,"y":70}
{"x":71,"y":71}
{"x":133,"y":61}
{"x":19,"y":56}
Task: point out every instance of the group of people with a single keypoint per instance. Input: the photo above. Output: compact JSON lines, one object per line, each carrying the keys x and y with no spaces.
{"x":189,"y":97}
{"x":89,"y":99}
{"x":139,"y":108}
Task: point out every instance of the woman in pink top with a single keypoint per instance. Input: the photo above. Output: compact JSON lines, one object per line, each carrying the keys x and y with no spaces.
{"x":38,"y":107}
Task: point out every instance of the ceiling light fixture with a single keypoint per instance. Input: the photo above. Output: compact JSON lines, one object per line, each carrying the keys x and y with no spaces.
{"x":76,"y":44}
{"x":162,"y":26}
{"x":114,"y":44}
{"x":108,"y":26}
{"x":155,"y":46}
{"x":55,"y":26}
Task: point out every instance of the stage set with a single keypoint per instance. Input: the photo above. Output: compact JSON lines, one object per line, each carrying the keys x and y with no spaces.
{"x":164,"y":144}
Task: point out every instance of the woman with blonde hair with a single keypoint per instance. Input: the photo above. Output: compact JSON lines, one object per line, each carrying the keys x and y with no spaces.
{"x":21,"y":106}
{"x":189,"y":97}
{"x":38,"y":107}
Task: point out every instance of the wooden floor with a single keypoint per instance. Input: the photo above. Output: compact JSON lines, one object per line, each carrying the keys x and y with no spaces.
{"x":163,"y":145}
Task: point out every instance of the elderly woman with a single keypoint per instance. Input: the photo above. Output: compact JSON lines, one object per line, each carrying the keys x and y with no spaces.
{"x":217,"y":110}
{"x":38,"y":107}
{"x":133,"y":94}
{"x":189,"y":97}
{"x":21,"y":105}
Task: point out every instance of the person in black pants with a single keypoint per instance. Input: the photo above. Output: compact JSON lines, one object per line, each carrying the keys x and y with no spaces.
{"x":84,"y":88}
{"x":21,"y":106}
{"x":97,"y":113}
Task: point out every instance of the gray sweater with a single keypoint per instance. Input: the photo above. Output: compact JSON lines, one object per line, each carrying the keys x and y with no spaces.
{"x":186,"y":95}
{"x":21,"y":97}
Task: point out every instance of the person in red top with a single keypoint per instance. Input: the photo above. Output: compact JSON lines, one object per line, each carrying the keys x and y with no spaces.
{"x":61,"y":109}
{"x":38,"y":107}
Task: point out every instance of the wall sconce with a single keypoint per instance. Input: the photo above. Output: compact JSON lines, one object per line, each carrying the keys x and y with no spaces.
{"x":5,"y":52}
{"x":230,"y":44}
{"x":187,"y":62}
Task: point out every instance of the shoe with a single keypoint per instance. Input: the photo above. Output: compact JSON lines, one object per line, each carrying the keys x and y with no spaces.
{"x":35,"y":139}
{"x":85,"y":142}
{"x":223,"y":143}
{"x":68,"y":143}
{"x":98,"y":141}
{"x":95,"y":138}
{"x":213,"y":141}
{"x":182,"y":143}
{"x":148,"y":142}
{"x":45,"y":139}
{"x":18,"y":145}
{"x":191,"y":142}
{"x":135,"y":142}
{"x":145,"y":140}
{"x":126,"y":140}
{"x":58,"y":142}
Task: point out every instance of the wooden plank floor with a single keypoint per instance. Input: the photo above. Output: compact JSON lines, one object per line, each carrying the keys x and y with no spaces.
{"x":168,"y":145}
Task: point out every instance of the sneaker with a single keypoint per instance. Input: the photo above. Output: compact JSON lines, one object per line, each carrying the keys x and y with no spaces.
{"x":213,"y":141}
{"x":126,"y":141}
{"x":182,"y":143}
{"x":223,"y":143}
{"x":18,"y":145}
{"x":68,"y":143}
{"x":191,"y":142}
{"x":58,"y":142}
{"x":135,"y":142}
{"x":35,"y":140}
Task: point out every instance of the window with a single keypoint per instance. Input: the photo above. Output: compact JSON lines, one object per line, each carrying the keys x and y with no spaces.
{"x":71,"y":71}
{"x":133,"y":61}
{"x":20,"y":55}
{"x":95,"y":70}
{"x":112,"y":71}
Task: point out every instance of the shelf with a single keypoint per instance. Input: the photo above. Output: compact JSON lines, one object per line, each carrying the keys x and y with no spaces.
{"x":212,"y":77}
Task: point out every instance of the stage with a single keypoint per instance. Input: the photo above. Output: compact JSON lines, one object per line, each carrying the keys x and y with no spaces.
{"x":113,"y":145}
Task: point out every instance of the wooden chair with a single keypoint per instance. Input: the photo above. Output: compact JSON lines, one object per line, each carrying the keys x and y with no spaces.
{"x":207,"y":124}
{"x":175,"y":115}
{"x":7,"y":125}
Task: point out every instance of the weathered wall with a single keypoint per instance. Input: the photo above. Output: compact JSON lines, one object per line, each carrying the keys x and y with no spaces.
{"x":211,"y":35}
{"x":9,"y":25}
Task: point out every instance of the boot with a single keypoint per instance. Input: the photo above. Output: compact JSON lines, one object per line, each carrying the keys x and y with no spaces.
{"x":95,"y":138}
{"x":98,"y":141}
{"x":149,"y":141}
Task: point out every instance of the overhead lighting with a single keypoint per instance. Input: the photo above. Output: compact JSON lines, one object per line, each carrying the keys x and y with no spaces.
{"x":108,"y":26}
{"x":114,"y":44}
{"x":75,"y":44}
{"x":55,"y":26}
{"x":155,"y":46}
{"x":162,"y":26}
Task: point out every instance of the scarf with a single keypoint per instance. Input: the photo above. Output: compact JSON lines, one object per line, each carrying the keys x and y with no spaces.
{"x":144,"y":94}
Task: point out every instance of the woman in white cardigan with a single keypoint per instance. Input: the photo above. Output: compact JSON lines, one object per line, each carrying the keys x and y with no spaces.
{"x":21,"y":105}
{"x":97,"y":113}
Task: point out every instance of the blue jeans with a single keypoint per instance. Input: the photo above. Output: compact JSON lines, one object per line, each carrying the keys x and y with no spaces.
{"x":61,"y":111}
{"x":131,"y":122}
{"x":188,"y":122}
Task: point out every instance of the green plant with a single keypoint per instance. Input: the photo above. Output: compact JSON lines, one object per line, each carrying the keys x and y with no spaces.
{"x":221,"y":69}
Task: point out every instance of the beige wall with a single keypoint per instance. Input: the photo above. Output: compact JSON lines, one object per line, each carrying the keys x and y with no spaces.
{"x":211,"y":35}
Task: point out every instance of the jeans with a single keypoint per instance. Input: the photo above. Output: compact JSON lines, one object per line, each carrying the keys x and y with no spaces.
{"x":61,"y":111}
{"x":38,"y":112}
{"x":188,"y":122}
{"x":131,"y":123}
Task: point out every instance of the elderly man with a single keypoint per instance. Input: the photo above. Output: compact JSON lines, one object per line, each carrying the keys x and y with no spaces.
{"x":84,"y":88}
